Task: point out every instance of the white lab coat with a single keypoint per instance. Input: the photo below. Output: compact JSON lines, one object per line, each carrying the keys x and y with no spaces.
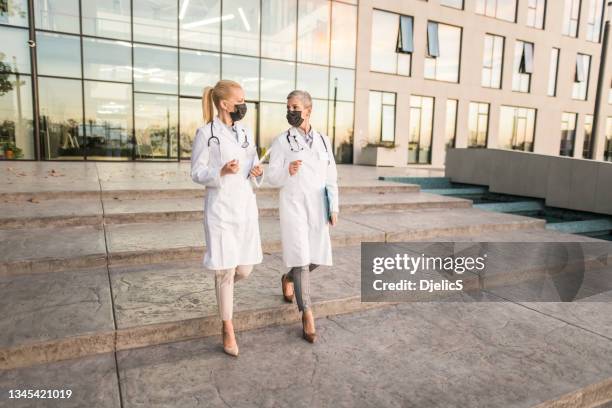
{"x":304,"y":225}
{"x":230,"y":209}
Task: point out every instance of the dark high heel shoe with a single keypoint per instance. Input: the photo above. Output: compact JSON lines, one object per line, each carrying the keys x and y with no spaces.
{"x":287,"y":286}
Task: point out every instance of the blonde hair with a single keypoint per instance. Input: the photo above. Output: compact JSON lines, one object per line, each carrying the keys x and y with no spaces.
{"x":214,"y":95}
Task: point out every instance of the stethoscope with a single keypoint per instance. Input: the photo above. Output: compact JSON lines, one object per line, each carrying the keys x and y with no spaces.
{"x":297,"y":147}
{"x":244,"y":145}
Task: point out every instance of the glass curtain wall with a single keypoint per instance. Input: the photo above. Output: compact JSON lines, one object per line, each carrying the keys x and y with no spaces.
{"x":121,"y":79}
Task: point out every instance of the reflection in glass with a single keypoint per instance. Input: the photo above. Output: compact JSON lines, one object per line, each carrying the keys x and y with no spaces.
{"x":571,"y":15}
{"x":421,"y":129}
{"x":382,"y":118}
{"x":478,"y":124}
{"x":492,"y":61}
{"x":14,"y":51}
{"x":516,"y":128}
{"x":523,"y":65}
{"x":502,"y":9}
{"x":344,"y":35}
{"x":345,"y":83}
{"x":16,"y":118}
{"x":241,"y":27}
{"x":108,"y":120}
{"x":313,"y":31}
{"x":568,"y":133}
{"x":199,"y":69}
{"x":608,"y":146}
{"x":277,"y":80}
{"x":581,"y":78}
{"x":384,"y":55}
{"x":451,"y":122}
{"x":314,"y":79}
{"x":14,"y":12}
{"x":106,"y":18}
{"x":61,"y":117}
{"x":57,"y":15}
{"x":587,"y":147}
{"x":445,"y":66}
{"x":273,"y":123}
{"x":278,"y":29}
{"x":553,"y":71}
{"x":200,"y":24}
{"x":58,"y":54}
{"x":595,"y":20}
{"x":318,"y":118}
{"x":155,"y":69}
{"x":155,"y":21}
{"x":156,"y":118}
{"x":536,"y":11}
{"x":342,"y":133}
{"x":107,"y":60}
{"x":245,"y":71}
{"x":191,"y":119}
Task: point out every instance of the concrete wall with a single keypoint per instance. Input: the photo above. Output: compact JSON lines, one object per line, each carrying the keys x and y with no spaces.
{"x":564,"y":182}
{"x":549,"y":109}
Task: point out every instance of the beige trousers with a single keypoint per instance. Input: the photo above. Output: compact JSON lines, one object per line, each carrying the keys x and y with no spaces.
{"x":224,"y":288}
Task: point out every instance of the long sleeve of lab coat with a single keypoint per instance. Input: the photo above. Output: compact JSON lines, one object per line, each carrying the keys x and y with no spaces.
{"x":203,"y":171}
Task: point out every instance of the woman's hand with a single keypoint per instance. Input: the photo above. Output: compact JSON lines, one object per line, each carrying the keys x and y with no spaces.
{"x":231,"y":167}
{"x":333,"y":220}
{"x":256,"y":171}
{"x":294,"y":166}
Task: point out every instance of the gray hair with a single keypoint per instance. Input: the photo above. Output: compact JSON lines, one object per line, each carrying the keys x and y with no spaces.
{"x":302,"y":96}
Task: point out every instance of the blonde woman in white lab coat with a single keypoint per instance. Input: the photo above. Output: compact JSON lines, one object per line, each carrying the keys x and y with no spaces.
{"x":302,"y":164}
{"x":224,"y":159}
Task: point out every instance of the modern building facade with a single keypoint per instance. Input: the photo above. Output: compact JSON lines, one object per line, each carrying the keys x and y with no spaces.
{"x":395,"y":82}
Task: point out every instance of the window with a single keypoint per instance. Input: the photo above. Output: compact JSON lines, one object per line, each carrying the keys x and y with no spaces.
{"x":244,"y":70}
{"x":341,"y":130}
{"x":501,"y":9}
{"x":458,"y":4}
{"x":581,"y":78}
{"x":14,"y":13}
{"x":451,"y":122}
{"x":421,"y":129}
{"x":58,"y":54}
{"x":478,"y":123}
{"x":198,"y":70}
{"x":344,"y":80}
{"x":200,"y":24}
{"x":57,"y":15}
{"x":108,"y":119}
{"x":536,"y":12}
{"x":240,"y":35}
{"x":155,"y":69}
{"x":587,"y":146}
{"x":344,"y":35}
{"x":276,"y":78}
{"x":571,"y":16}
{"x":313,"y":31}
{"x":553,"y":71}
{"x":392,"y":43}
{"x":443,"y":52}
{"x":595,"y":20}
{"x":106,"y":18}
{"x":492,"y":61}
{"x":156,"y":123}
{"x":190,"y":119}
{"x":568,"y":133}
{"x":107,"y":60}
{"x":608,"y":147}
{"x":382,"y":117}
{"x":516,"y":128}
{"x":16,"y":117}
{"x":14,"y":51}
{"x":523,"y":66}
{"x":315,"y":78}
{"x":155,"y":21}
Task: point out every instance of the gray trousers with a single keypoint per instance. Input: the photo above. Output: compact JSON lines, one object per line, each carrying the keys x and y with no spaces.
{"x":300,"y":276}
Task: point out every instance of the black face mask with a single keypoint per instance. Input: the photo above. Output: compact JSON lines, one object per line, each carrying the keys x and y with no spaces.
{"x":294,"y":118}
{"x":239,"y":111}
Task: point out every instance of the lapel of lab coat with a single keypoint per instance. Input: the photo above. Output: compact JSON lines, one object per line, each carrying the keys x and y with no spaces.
{"x":224,"y":134}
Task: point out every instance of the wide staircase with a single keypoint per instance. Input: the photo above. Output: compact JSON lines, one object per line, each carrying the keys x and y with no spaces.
{"x":112,"y":267}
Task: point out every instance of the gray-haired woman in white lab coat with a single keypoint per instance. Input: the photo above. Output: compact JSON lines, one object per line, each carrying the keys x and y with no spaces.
{"x":302,"y":164}
{"x":224,"y":159}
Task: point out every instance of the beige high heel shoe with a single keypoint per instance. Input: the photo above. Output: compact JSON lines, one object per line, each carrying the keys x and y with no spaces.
{"x":233,"y":350}
{"x":309,"y":337}
{"x":287,"y":286}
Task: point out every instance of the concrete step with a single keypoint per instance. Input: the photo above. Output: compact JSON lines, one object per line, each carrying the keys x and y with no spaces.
{"x":115,"y":210}
{"x":69,"y":314}
{"x":443,"y":354}
{"x":39,"y":250}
